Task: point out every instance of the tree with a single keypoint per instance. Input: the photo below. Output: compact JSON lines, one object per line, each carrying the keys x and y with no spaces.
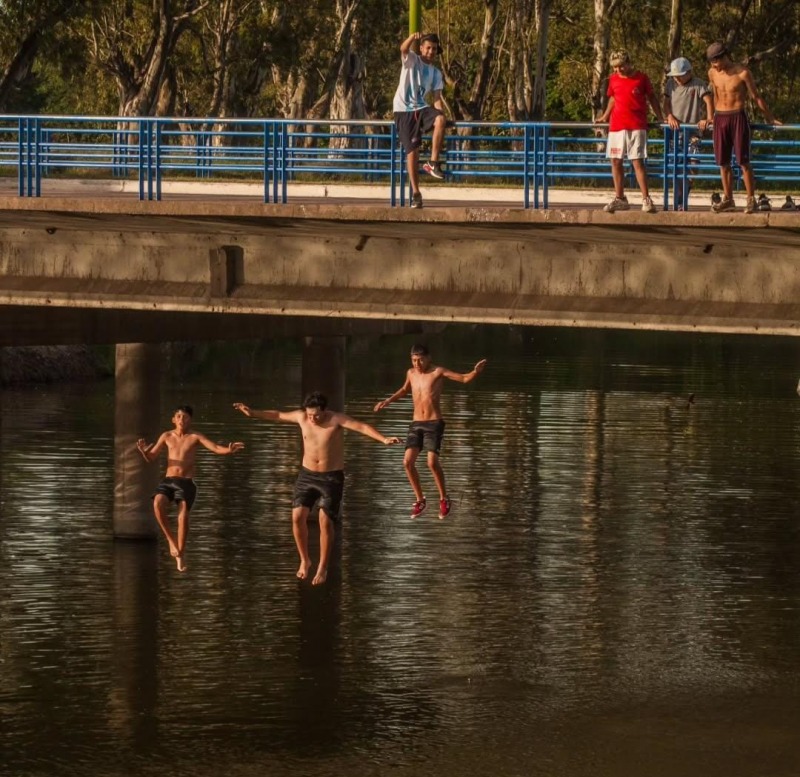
{"x":133,"y":42}
{"x":24,"y":28}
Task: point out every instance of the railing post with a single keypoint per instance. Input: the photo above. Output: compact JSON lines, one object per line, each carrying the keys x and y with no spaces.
{"x":140,"y":159}
{"x":284,"y":162}
{"x":666,"y":167}
{"x":265,"y":134}
{"x":20,"y":157}
{"x":149,"y":125}
{"x":545,"y":134}
{"x":38,"y":157}
{"x":526,"y":184}
{"x":158,"y":126}
{"x":392,"y":164}
{"x":29,"y":154}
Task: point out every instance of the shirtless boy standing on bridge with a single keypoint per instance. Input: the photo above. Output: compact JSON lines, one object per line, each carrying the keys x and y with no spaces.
{"x":732,"y":83}
{"x":424,"y":381}
{"x":178,"y":484}
{"x":321,"y":477}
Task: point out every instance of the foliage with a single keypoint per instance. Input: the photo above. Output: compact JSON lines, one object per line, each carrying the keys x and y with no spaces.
{"x":281,"y":57}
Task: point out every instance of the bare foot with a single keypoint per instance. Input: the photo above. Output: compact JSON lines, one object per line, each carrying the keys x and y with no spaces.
{"x":320,"y":577}
{"x":304,"y":569}
{"x":181,"y":563}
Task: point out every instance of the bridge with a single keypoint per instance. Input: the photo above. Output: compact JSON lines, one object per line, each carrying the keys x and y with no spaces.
{"x":121,"y":270}
{"x":82,"y":264}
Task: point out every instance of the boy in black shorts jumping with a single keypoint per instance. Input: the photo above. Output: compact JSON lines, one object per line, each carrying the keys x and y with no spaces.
{"x":321,"y":477}
{"x":424,"y":381}
{"x":413,"y":116}
{"x":178,"y":485}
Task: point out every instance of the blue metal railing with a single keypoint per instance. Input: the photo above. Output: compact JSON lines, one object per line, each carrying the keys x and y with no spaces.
{"x":529,"y":157}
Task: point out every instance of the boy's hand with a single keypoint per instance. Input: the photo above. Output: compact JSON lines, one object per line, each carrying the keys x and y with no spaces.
{"x":243,"y":408}
{"x":479,"y":366}
{"x":392,"y":441}
{"x":235,"y":446}
{"x":382,"y":404}
{"x":142,"y":445}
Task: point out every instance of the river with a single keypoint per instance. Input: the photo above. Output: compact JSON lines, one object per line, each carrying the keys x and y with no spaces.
{"x":616,"y":593}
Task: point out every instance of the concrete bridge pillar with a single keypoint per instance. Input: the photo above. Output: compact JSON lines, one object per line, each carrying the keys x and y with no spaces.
{"x":137,"y":410}
{"x":324,"y":363}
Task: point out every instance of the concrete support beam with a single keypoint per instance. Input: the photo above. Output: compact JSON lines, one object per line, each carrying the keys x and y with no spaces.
{"x":137,"y":411}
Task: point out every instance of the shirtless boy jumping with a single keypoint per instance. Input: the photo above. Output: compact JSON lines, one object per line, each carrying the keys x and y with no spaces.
{"x":424,"y":381}
{"x":731,"y":84}
{"x":322,"y":474}
{"x":178,"y":484}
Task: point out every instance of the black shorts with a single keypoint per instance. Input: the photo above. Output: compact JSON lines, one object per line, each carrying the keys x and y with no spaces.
{"x":323,"y":487}
{"x":177,"y":490}
{"x":412,"y":125}
{"x":425,"y":435}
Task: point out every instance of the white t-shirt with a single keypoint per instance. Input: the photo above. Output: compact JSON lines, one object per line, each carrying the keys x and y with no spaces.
{"x":416,"y":80}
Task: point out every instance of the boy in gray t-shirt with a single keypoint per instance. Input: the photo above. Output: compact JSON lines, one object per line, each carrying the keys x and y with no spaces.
{"x":687,"y":100}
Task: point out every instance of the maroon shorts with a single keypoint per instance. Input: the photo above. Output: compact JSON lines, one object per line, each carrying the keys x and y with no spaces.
{"x":731,"y":133}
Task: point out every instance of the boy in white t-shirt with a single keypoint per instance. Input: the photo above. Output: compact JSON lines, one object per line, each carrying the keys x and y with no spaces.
{"x":413,"y":116}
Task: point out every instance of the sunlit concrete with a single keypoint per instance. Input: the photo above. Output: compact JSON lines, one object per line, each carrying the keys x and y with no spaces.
{"x":338,"y":261}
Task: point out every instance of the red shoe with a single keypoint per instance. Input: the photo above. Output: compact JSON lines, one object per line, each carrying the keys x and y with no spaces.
{"x":444,"y":507}
{"x":418,"y":508}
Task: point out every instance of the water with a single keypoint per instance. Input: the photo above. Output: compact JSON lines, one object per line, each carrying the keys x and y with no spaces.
{"x":616,"y":593}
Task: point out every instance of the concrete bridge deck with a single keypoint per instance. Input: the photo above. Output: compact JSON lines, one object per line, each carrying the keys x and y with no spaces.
{"x":334,"y":262}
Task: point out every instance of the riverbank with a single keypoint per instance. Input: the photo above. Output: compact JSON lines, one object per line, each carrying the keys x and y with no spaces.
{"x":52,"y":364}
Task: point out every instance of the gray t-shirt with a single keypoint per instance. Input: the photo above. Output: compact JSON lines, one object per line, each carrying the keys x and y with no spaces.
{"x":686,"y":99}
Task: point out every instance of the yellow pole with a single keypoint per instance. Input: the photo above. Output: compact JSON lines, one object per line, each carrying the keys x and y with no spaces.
{"x":414,"y":16}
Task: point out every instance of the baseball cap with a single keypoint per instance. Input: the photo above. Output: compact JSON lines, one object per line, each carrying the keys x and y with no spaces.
{"x":432,"y":37}
{"x":679,"y":67}
{"x":716,"y":50}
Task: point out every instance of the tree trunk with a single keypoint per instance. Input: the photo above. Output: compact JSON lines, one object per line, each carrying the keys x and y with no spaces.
{"x":603,"y":15}
{"x":539,"y":105}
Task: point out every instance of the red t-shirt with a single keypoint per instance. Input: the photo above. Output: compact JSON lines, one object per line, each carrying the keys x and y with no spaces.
{"x":630,"y":101}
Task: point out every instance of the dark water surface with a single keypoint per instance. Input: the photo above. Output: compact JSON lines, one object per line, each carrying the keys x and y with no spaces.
{"x":617,"y":591}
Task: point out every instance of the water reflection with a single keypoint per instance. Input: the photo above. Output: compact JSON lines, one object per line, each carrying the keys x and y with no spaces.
{"x":617,"y":591}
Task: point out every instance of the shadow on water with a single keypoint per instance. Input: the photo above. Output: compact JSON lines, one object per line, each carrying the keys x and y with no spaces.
{"x":616,"y":593}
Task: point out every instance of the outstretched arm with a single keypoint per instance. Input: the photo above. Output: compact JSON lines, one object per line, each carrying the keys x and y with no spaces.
{"x":368,"y":431}
{"x":268,"y":415}
{"x":150,"y":452}
{"x":222,"y":450}
{"x":465,"y":377}
{"x":401,"y":392}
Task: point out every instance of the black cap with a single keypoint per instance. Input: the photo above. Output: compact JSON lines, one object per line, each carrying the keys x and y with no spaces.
{"x":716,"y":50}
{"x":432,"y":37}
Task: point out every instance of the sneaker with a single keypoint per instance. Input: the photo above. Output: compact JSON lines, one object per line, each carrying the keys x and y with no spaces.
{"x":618,"y":203}
{"x":647,"y":206}
{"x":751,"y":205}
{"x":723,"y":205}
{"x":444,"y":507}
{"x":418,"y":508}
{"x":416,"y":200}
{"x":716,"y":199}
{"x":789,"y":204}
{"x":434,"y":169}
{"x":763,"y":203}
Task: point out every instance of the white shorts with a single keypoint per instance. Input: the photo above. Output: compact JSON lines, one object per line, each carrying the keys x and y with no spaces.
{"x":627,"y":144}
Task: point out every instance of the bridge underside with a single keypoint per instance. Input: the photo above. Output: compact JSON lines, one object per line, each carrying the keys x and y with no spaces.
{"x":131,"y":271}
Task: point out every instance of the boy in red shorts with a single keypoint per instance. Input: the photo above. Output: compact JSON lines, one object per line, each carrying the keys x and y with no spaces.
{"x":731,"y":83}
